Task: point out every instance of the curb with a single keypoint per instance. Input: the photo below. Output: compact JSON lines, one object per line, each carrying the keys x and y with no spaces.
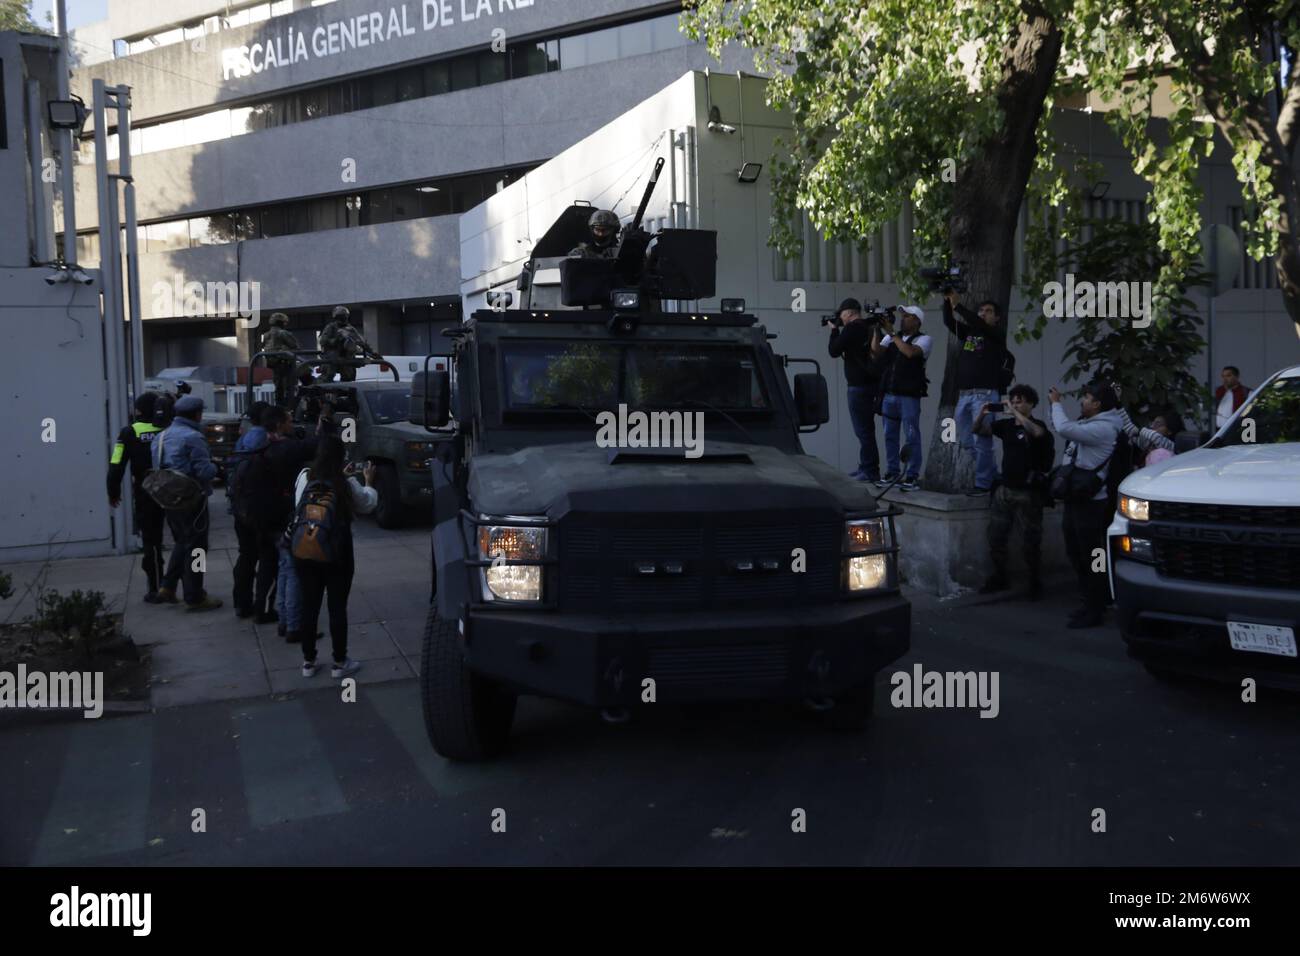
{"x":34,"y":716}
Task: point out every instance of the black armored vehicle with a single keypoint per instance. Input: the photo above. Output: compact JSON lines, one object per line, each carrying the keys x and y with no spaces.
{"x":624,"y":515}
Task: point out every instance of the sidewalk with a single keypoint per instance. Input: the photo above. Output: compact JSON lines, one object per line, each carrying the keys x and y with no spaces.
{"x":214,"y":656}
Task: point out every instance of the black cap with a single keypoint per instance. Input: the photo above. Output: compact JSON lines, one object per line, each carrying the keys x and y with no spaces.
{"x":852,"y":304}
{"x":144,"y":405}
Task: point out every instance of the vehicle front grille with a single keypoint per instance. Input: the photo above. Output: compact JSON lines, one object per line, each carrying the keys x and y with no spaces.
{"x":756,"y":665}
{"x":1217,"y":563}
{"x":1249,"y":515}
{"x":720,"y":565}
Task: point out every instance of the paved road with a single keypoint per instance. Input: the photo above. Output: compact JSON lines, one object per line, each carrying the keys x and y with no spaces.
{"x":1186,"y":775}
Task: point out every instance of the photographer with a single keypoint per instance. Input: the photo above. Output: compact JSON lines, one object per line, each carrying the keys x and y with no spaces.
{"x":979,"y":377}
{"x":902,"y":355}
{"x":850,"y":341}
{"x":1092,"y":439}
{"x":1027,"y":454}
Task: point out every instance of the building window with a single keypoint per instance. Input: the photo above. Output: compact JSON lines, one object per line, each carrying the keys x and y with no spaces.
{"x":491,"y":68}
{"x":165,"y":236}
{"x":464,"y":72}
{"x":410,"y":84}
{"x":391,"y":204}
{"x":437,"y":78}
{"x":377,"y":207}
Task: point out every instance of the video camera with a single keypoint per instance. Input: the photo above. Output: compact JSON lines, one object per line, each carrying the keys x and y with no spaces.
{"x":874,"y":313}
{"x":945,"y":279}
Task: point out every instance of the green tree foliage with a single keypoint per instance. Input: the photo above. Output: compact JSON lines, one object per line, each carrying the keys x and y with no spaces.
{"x":1149,"y":364}
{"x":885,"y":97}
{"x":17,"y":15}
{"x":1234,"y":66}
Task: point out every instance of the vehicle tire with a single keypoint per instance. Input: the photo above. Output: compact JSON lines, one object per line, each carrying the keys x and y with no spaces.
{"x":390,"y":512}
{"x":852,"y":710}
{"x":467,"y":717}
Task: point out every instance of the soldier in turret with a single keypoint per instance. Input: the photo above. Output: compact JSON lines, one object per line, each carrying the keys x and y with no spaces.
{"x":341,"y":344}
{"x":603,"y":244}
{"x":278,"y":338}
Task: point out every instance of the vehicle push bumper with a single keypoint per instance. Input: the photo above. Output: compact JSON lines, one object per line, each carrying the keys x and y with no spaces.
{"x":704,"y":655}
{"x":1183,"y":625}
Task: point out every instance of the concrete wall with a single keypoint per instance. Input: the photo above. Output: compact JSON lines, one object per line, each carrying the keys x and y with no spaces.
{"x":52,"y":367}
{"x":400,"y":260}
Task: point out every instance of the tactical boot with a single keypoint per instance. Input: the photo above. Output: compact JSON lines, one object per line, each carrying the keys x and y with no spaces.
{"x":165,"y":596}
{"x":205,"y":603}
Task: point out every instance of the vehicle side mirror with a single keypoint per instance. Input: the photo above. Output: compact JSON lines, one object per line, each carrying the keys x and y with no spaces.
{"x":430,"y":399}
{"x":812,"y":401}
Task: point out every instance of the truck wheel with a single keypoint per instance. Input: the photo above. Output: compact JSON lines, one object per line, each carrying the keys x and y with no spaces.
{"x":852,"y":710}
{"x":390,"y":513}
{"x":466,"y":716}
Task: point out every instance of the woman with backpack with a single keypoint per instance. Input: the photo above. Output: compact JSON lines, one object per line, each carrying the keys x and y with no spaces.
{"x":326,"y":501}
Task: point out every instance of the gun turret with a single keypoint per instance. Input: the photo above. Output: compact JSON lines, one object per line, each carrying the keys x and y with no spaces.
{"x":635,"y":224}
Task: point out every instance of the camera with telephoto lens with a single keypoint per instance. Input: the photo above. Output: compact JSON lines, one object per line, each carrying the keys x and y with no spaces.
{"x":833,"y":320}
{"x":882,"y":316}
{"x":945,"y":279}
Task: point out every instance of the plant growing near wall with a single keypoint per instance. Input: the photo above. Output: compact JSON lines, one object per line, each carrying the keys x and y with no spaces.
{"x":1149,"y":362}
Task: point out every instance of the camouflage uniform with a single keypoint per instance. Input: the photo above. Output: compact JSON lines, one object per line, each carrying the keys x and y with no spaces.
{"x":283,"y":368}
{"x":599,"y":247}
{"x":340,"y":343}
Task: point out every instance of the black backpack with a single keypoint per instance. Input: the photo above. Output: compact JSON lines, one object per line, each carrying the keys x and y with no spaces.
{"x":251,"y":488}
{"x":1123,"y":462}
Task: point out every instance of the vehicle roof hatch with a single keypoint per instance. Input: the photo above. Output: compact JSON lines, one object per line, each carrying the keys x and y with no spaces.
{"x":569,"y":229}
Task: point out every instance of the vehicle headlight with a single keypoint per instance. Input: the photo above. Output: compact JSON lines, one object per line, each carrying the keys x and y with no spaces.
{"x":1135,"y":509}
{"x":1139,"y":549}
{"x":868,"y":534}
{"x":868,"y":572}
{"x":512,"y":582}
{"x":418,"y":454}
{"x":866,"y":565}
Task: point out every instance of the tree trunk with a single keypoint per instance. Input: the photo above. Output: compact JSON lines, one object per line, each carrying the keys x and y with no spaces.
{"x":986,"y":210}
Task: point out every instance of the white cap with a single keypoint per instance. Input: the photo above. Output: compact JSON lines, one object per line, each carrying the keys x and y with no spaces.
{"x":915,"y":310}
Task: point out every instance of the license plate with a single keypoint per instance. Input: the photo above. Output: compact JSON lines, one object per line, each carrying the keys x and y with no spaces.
{"x":1262,"y":638}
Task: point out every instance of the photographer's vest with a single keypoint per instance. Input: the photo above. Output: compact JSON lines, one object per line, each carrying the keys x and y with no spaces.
{"x":906,"y":376}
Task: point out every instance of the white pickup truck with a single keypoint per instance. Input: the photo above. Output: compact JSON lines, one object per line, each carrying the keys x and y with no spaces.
{"x":1205,"y":549}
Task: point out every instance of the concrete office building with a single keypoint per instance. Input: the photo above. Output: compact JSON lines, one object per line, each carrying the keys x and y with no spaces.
{"x":324,"y":151}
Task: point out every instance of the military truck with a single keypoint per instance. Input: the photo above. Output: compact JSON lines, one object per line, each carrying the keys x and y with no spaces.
{"x":578,"y":556}
{"x":383,"y":434}
{"x":373,"y":417}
